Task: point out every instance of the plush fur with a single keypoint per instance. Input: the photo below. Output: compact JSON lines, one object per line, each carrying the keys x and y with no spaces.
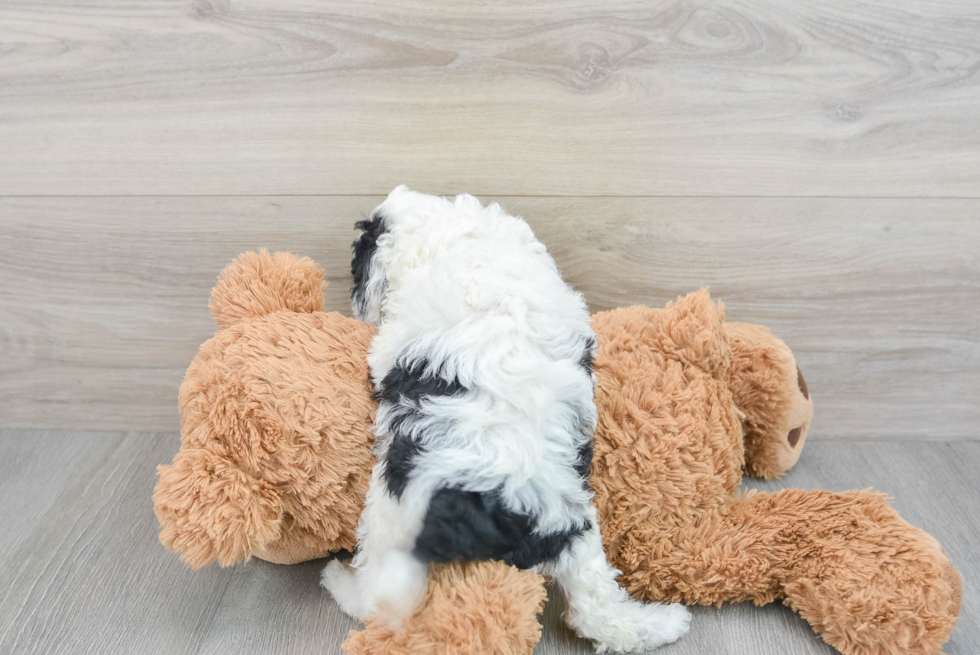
{"x":485,"y":413}
{"x":869,"y":582}
{"x":276,"y":454}
{"x":257,"y":470}
{"x":477,"y":608}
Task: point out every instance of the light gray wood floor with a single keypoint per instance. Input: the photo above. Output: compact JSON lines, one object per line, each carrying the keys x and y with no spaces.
{"x":81,"y":570}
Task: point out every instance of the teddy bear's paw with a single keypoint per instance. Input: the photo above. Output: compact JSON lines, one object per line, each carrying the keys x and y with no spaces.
{"x":339,"y":579}
{"x":632,"y":626}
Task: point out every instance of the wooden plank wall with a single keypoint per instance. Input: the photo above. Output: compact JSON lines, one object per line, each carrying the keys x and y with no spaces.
{"x":630,"y":97}
{"x":816,"y":164}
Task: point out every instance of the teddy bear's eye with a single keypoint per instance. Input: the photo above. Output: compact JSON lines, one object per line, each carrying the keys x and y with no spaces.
{"x":800,"y":381}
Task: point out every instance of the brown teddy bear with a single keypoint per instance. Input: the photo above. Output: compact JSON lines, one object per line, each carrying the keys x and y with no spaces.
{"x":275,"y":460}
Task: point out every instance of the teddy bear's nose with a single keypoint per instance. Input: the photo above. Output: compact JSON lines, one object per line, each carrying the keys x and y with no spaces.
{"x":794,"y":435}
{"x":800,"y":381}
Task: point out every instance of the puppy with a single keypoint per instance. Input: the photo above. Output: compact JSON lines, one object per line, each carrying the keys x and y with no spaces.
{"x":482,"y":368}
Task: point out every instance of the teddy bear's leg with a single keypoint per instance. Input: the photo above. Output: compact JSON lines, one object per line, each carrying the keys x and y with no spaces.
{"x":877,"y":585}
{"x":867,"y":581}
{"x":601,"y":610}
{"x":773,"y":397}
{"x":384,"y":579}
{"x":480,"y":608}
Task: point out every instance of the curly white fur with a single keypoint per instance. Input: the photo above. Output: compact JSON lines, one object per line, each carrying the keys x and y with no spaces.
{"x":468,"y":293}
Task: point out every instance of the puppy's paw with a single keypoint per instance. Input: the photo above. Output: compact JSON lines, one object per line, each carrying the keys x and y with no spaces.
{"x":669,"y":623}
{"x":340,"y":580}
{"x":634,"y":626}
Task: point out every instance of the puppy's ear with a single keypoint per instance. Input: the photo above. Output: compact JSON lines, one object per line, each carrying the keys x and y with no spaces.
{"x":368,"y":283}
{"x":212,"y":511}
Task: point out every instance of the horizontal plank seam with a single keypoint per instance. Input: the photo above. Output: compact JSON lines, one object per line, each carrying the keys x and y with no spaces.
{"x":507,"y":195}
{"x":844,"y":439}
{"x":174,"y":433}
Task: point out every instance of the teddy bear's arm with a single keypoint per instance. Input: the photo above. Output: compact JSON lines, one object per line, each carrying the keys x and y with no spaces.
{"x":211,"y":511}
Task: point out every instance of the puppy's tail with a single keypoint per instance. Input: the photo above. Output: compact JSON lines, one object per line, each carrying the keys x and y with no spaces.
{"x":257,"y":283}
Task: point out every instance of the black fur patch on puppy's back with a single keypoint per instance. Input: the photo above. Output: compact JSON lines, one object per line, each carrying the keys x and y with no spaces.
{"x":400,"y":461}
{"x":407,"y":387}
{"x":477,"y":526}
{"x":413,"y":383}
{"x":364,"y":248}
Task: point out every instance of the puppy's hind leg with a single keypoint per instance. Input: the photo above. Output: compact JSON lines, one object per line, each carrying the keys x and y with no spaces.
{"x":341,"y":580}
{"x":384,"y":579}
{"x":601,"y":610}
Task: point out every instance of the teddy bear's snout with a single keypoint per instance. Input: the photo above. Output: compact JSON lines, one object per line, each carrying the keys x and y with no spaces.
{"x":793,"y":437}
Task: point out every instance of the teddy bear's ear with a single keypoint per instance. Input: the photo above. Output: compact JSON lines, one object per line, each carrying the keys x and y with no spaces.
{"x":212,"y":511}
{"x":258,"y":283}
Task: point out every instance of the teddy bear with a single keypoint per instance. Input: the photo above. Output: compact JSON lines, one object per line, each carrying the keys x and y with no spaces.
{"x":275,"y":460}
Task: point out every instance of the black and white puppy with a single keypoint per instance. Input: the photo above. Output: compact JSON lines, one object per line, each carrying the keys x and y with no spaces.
{"x":482,"y":368}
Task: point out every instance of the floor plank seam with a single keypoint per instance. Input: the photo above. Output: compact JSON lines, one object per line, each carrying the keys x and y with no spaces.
{"x":381,"y":194}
